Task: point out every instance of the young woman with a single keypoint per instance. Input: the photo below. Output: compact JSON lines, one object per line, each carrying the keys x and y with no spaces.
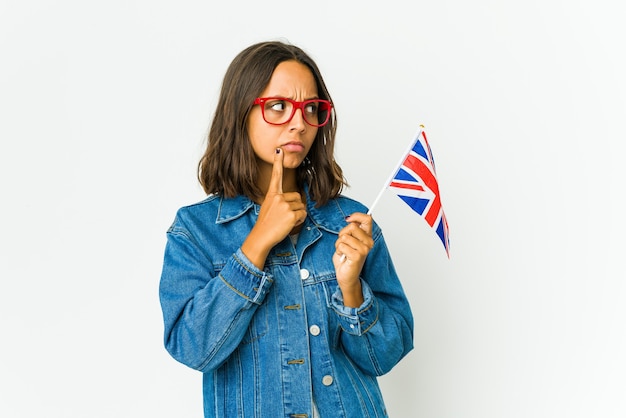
{"x":276,"y":287}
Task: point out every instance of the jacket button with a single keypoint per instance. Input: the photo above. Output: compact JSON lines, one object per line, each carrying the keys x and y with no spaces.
{"x":327,"y":380}
{"x":314,"y":330}
{"x":304,"y":274}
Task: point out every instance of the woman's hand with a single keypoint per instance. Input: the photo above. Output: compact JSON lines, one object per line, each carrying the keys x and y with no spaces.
{"x":279,"y":214}
{"x":351,"y":249}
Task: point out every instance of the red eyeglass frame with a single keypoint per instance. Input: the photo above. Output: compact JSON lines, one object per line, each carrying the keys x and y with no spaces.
{"x":296,"y":105}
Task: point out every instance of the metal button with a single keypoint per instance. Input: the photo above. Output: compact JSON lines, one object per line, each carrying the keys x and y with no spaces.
{"x":304,"y":274}
{"x":314,"y":330}
{"x":327,"y":380}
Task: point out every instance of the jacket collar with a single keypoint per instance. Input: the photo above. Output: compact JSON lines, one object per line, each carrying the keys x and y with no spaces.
{"x":330,"y":217}
{"x":230,"y":208}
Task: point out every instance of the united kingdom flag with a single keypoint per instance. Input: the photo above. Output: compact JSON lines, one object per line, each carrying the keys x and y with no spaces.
{"x":415,"y":182}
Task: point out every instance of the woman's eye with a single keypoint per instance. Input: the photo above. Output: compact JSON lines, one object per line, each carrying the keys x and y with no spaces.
{"x":311,"y":108}
{"x":276,"y":106}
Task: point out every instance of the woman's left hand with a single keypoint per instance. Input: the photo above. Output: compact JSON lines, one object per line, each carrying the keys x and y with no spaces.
{"x":351,"y":249}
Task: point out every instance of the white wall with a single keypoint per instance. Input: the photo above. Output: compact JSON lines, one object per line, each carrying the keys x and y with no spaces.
{"x":103,"y":109}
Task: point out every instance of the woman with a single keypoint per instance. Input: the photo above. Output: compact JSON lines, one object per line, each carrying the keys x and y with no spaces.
{"x":276,"y":287}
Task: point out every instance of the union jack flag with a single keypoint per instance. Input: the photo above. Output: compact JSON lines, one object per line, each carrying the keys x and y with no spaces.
{"x":415,"y":182}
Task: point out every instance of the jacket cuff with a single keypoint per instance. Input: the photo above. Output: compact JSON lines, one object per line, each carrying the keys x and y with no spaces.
{"x":356,"y":321}
{"x":245,"y":279}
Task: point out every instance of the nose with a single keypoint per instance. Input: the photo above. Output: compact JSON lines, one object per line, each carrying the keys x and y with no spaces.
{"x":297,"y":121}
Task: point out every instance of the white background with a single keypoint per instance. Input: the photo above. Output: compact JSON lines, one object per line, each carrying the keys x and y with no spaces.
{"x":103,"y":111}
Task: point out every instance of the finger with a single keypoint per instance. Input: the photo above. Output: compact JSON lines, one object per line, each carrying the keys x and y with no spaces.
{"x":351,"y":241}
{"x":362,"y":235}
{"x":354,"y":243}
{"x":293,"y":197}
{"x":346,"y":252}
{"x":363,"y":220}
{"x":338,"y":252}
{"x":358,"y":231}
{"x":276,"y":181}
{"x":343,"y":257}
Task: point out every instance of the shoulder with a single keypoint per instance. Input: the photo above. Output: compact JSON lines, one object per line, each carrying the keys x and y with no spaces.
{"x":349,"y":205}
{"x":190,"y":216}
{"x":215,"y":209}
{"x":201,"y":208}
{"x":332,"y":215}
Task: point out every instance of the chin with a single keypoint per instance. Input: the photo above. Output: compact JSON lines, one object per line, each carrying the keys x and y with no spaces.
{"x":292,"y":163}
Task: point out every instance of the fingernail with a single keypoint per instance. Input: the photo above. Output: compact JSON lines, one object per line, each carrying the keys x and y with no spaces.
{"x":277,"y":150}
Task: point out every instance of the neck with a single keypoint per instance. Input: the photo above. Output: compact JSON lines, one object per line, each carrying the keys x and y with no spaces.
{"x":290,"y":183}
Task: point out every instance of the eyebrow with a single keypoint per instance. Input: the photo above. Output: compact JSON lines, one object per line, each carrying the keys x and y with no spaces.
{"x":290,"y":98}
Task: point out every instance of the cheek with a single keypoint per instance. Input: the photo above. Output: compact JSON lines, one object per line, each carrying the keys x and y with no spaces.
{"x":311,"y":138}
{"x":262,"y":144}
{"x":252,"y":126}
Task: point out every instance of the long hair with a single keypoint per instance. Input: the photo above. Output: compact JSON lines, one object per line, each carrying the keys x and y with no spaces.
{"x":228,"y":166}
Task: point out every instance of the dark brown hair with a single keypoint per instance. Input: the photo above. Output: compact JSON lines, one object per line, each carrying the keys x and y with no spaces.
{"x":228,"y":166}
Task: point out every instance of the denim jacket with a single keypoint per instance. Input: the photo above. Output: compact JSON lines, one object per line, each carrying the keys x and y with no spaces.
{"x":271,"y":342}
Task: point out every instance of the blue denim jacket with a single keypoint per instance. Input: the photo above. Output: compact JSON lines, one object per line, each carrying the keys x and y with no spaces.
{"x":271,"y":342}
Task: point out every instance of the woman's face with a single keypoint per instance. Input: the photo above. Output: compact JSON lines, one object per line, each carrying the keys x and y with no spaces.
{"x":290,"y":80}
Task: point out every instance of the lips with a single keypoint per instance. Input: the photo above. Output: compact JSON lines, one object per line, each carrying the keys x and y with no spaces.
{"x":293,"y":146}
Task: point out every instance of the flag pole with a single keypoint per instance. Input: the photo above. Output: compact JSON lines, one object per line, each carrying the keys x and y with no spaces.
{"x":395,"y":170}
{"x":393,"y":173}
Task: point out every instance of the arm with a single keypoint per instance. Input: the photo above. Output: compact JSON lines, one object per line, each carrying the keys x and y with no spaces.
{"x":206,"y":314}
{"x":377,"y":334}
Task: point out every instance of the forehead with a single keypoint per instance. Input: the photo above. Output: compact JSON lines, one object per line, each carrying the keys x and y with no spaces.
{"x":291,"y":79}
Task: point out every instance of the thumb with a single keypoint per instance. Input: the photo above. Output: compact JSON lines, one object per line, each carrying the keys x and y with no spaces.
{"x":276,"y":181}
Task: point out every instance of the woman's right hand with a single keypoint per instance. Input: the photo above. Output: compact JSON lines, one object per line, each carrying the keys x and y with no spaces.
{"x":280,"y":213}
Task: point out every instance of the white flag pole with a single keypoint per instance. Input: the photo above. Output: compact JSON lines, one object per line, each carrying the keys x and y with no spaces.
{"x":393,"y":173}
{"x":395,"y":170}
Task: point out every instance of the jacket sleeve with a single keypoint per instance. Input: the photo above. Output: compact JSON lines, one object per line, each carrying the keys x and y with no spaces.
{"x":206,"y":313}
{"x":379,"y":333}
